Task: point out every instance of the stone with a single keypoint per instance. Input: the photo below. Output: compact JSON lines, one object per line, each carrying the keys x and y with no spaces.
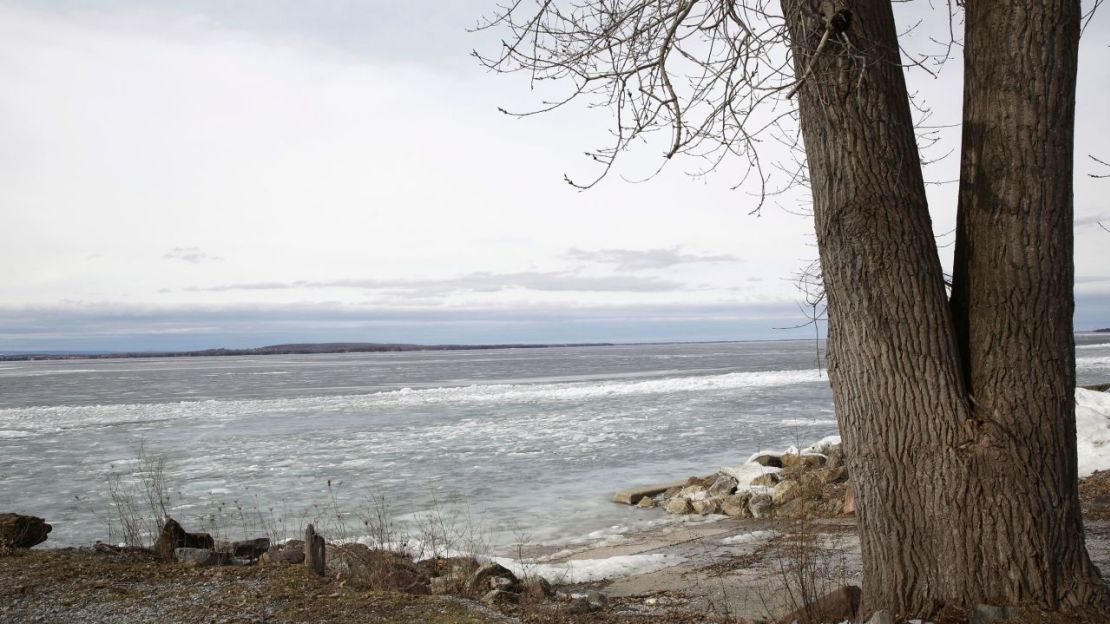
{"x":989,"y":614}
{"x":440,"y":585}
{"x":831,"y":476}
{"x":537,"y":589}
{"x":679,"y":505}
{"x":796,"y":509}
{"x":646,"y":502}
{"x":736,"y":506}
{"x":724,"y":485}
{"x":837,"y":606}
{"x":283,"y":555}
{"x":671,"y":492}
{"x":694,"y":492}
{"x":848,"y":508}
{"x":634,"y":495}
{"x":706,"y":506}
{"x":480,"y":579}
{"x":19,"y":531}
{"x":201,"y":556}
{"x":589,"y":602}
{"x":804,"y":460}
{"x":501,"y":582}
{"x":881,"y":617}
{"x":760,"y":505}
{"x":768,"y":459}
{"x":174,"y":536}
{"x":835,"y":457}
{"x":704,"y":482}
{"x":249,"y":549}
{"x":1099,"y":503}
{"x":785,"y":491}
{"x":495,"y":597}
{"x":769,"y":479}
{"x":361,"y":566}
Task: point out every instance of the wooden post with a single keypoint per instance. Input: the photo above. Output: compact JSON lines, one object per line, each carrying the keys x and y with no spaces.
{"x":314,"y":552}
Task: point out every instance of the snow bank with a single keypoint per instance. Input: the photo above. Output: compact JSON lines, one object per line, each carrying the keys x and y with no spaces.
{"x":1092,"y":424}
{"x":748,"y":538}
{"x":590,"y":570}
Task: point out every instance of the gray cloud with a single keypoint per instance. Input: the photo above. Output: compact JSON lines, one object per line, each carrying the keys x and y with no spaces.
{"x":192,"y":255}
{"x":563,"y":281}
{"x":643,"y":259}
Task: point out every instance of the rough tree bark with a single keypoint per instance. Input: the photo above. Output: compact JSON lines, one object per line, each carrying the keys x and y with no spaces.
{"x":960,"y":435}
{"x":1012,"y":304}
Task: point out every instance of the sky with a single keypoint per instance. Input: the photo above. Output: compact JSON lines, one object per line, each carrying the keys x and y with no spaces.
{"x":189,"y":175}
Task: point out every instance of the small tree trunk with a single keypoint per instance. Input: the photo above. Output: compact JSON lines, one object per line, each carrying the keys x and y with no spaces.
{"x":314,"y":551}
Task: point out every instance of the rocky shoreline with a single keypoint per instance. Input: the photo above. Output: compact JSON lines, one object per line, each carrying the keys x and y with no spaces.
{"x":809,"y":483}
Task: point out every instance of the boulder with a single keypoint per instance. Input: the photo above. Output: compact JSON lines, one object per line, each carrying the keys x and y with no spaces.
{"x":200,"y":556}
{"x":736,"y":505}
{"x":249,"y":549}
{"x":881,"y":617}
{"x":769,"y":479}
{"x":803,"y":460}
{"x":830,"y":476}
{"x":289,"y":553}
{"x":671,"y":492}
{"x":18,"y":531}
{"x":495,"y":597}
{"x":797,"y":508}
{"x":760,"y":505}
{"x":173,"y":536}
{"x":848,"y":508}
{"x":646,"y":502}
{"x":536,"y":589}
{"x":480,"y":580}
{"x":678,"y":505}
{"x":723,"y":485}
{"x":767,"y":459}
{"x":362,"y":566}
{"x":693,"y":492}
{"x":706,"y":506}
{"x":837,"y":606}
{"x":785,"y":491}
{"x":632,"y":496}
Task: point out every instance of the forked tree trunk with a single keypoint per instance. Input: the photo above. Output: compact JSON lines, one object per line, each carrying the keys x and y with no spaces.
{"x":952,"y":510}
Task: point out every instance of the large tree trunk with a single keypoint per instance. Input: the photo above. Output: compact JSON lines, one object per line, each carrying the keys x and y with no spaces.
{"x":954,"y":507}
{"x":1013,"y":302}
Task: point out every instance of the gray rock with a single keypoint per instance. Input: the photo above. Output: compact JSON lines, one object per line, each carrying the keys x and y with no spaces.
{"x":736,"y":506}
{"x":537,"y":589}
{"x":496,"y":597}
{"x":784,"y":491}
{"x":480,"y":579}
{"x":760,"y":505}
{"x":18,"y":531}
{"x":767,"y":459}
{"x":440,"y":585}
{"x":284,"y":554}
{"x":646,"y":503}
{"x":707,"y":506}
{"x":723,"y":486}
{"x":770,"y":479}
{"x":678,"y":505}
{"x":174,"y":536}
{"x":881,"y":617}
{"x":201,"y":556}
{"x":988,"y":614}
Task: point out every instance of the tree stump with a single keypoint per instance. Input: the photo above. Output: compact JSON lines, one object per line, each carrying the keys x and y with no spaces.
{"x":314,"y":551}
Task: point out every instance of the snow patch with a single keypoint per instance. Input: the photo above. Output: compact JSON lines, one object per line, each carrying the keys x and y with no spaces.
{"x":1092,"y":425}
{"x":590,"y":570}
{"x":748,"y":538}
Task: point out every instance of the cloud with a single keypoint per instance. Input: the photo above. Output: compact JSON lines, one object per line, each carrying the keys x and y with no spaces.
{"x":643,"y":259}
{"x":552,"y":281}
{"x":192,"y":255}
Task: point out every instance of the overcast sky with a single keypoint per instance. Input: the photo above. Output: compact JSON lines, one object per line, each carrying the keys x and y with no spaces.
{"x":187,"y":175}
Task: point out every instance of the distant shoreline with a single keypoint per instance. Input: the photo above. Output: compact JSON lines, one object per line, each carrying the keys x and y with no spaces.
{"x":288,"y":349}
